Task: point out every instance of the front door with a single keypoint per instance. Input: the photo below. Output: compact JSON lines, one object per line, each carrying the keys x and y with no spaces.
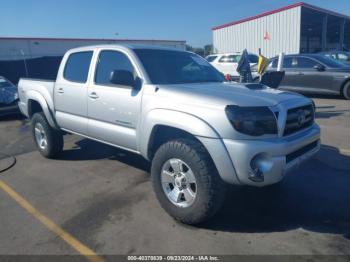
{"x":113,"y":110}
{"x":310,"y":79}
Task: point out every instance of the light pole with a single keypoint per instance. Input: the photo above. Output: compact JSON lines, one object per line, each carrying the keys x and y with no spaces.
{"x":25,"y":62}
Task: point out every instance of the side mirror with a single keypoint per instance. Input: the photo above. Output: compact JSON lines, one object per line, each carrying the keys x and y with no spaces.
{"x":122,"y":77}
{"x":320,"y":68}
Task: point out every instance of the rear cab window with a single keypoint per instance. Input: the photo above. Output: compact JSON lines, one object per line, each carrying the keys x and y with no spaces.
{"x":77,"y":67}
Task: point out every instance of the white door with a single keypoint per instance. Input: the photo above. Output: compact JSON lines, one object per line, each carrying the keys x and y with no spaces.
{"x":70,"y":93}
{"x":113,"y":110}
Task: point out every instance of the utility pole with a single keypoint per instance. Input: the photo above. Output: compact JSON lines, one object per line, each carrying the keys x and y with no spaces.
{"x":25,"y":62}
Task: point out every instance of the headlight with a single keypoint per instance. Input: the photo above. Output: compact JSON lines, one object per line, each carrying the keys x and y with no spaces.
{"x":252,"y":121}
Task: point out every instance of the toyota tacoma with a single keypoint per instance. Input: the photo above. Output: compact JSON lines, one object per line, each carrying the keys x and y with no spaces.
{"x":174,"y":109}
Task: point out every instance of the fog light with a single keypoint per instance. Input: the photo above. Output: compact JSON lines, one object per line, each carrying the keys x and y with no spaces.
{"x":260,"y":164}
{"x":256,"y":175}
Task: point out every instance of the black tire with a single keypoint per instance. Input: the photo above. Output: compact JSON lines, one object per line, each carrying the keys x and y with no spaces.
{"x":346,"y":90}
{"x":211,"y":190}
{"x":54,"y":137}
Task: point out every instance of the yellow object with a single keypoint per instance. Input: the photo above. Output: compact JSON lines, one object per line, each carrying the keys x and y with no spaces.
{"x":69,"y":239}
{"x":262,"y":64}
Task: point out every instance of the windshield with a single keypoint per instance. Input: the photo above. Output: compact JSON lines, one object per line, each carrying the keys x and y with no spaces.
{"x":176,"y":67}
{"x":4,"y":83}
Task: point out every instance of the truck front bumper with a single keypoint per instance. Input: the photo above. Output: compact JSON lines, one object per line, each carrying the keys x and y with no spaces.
{"x":265,"y":162}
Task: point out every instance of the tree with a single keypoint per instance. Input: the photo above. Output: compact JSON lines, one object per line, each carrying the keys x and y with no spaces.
{"x":208,"y":49}
{"x":197,"y":50}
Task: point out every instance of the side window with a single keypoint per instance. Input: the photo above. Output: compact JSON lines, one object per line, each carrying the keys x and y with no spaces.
{"x":306,"y":63}
{"x":343,"y":57}
{"x":109,"y":61}
{"x":288,"y":62}
{"x":253,"y":59}
{"x":77,"y":67}
{"x":230,"y":59}
{"x":273,"y":63}
{"x":224,"y":59}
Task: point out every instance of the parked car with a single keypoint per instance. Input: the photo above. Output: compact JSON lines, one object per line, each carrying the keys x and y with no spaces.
{"x":173,"y":108}
{"x":341,"y":56}
{"x":227,"y":63}
{"x":8,"y":97}
{"x":313,"y":73}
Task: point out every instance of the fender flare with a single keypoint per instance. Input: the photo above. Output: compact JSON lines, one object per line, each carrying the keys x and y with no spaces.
{"x":196,"y":126}
{"x":36,"y":96}
{"x":177,"y":119}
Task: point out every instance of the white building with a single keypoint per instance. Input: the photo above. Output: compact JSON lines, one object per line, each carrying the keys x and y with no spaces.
{"x":17,"y":48}
{"x":298,"y":28}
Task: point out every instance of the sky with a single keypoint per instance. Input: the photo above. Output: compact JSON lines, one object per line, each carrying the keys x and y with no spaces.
{"x":135,"y":19}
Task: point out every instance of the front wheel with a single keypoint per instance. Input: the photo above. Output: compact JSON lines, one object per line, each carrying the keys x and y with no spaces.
{"x":186,"y":181}
{"x":346,"y":91}
{"x":48,"y":140}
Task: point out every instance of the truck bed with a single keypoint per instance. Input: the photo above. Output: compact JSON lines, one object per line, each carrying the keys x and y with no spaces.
{"x":29,"y":88}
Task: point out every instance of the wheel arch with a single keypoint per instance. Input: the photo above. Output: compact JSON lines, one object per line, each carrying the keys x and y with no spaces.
{"x":37,"y":103}
{"x":172,"y":124}
{"x":346,"y":82}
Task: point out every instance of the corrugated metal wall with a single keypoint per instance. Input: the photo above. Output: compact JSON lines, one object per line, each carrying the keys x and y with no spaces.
{"x":283,"y":29}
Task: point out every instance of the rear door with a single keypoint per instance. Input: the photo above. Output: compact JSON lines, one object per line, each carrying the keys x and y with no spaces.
{"x":113,"y":110}
{"x":70,"y":92}
{"x":289,"y":81}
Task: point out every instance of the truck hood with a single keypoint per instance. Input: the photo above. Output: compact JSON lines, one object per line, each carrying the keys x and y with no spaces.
{"x":222,"y":94}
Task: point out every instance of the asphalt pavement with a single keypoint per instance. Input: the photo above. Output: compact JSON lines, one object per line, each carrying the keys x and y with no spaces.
{"x":102,"y":197}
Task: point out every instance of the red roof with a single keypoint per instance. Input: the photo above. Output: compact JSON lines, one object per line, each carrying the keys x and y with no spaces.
{"x":280,"y":10}
{"x":87,"y":39}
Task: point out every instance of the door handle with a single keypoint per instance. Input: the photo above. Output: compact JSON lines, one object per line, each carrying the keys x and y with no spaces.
{"x":60,"y":90}
{"x":93,"y":95}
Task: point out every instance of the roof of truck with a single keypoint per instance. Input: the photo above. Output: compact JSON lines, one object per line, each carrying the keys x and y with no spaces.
{"x":128,"y":46}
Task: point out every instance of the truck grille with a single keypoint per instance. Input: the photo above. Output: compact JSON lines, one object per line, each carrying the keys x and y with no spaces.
{"x":294,"y":155}
{"x":298,"y":119}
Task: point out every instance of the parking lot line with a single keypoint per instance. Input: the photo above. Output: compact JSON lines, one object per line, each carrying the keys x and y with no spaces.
{"x":69,"y":239}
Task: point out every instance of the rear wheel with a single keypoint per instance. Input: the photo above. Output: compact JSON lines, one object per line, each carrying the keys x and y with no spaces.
{"x":48,"y":140}
{"x":186,"y":181}
{"x":346,"y":90}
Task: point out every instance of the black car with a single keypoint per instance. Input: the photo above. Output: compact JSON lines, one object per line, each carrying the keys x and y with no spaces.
{"x":341,"y":56}
{"x":314,"y":73}
{"x":8,"y":97}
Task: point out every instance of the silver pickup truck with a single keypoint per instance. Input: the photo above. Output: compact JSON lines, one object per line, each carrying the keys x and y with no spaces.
{"x":173,"y":108}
